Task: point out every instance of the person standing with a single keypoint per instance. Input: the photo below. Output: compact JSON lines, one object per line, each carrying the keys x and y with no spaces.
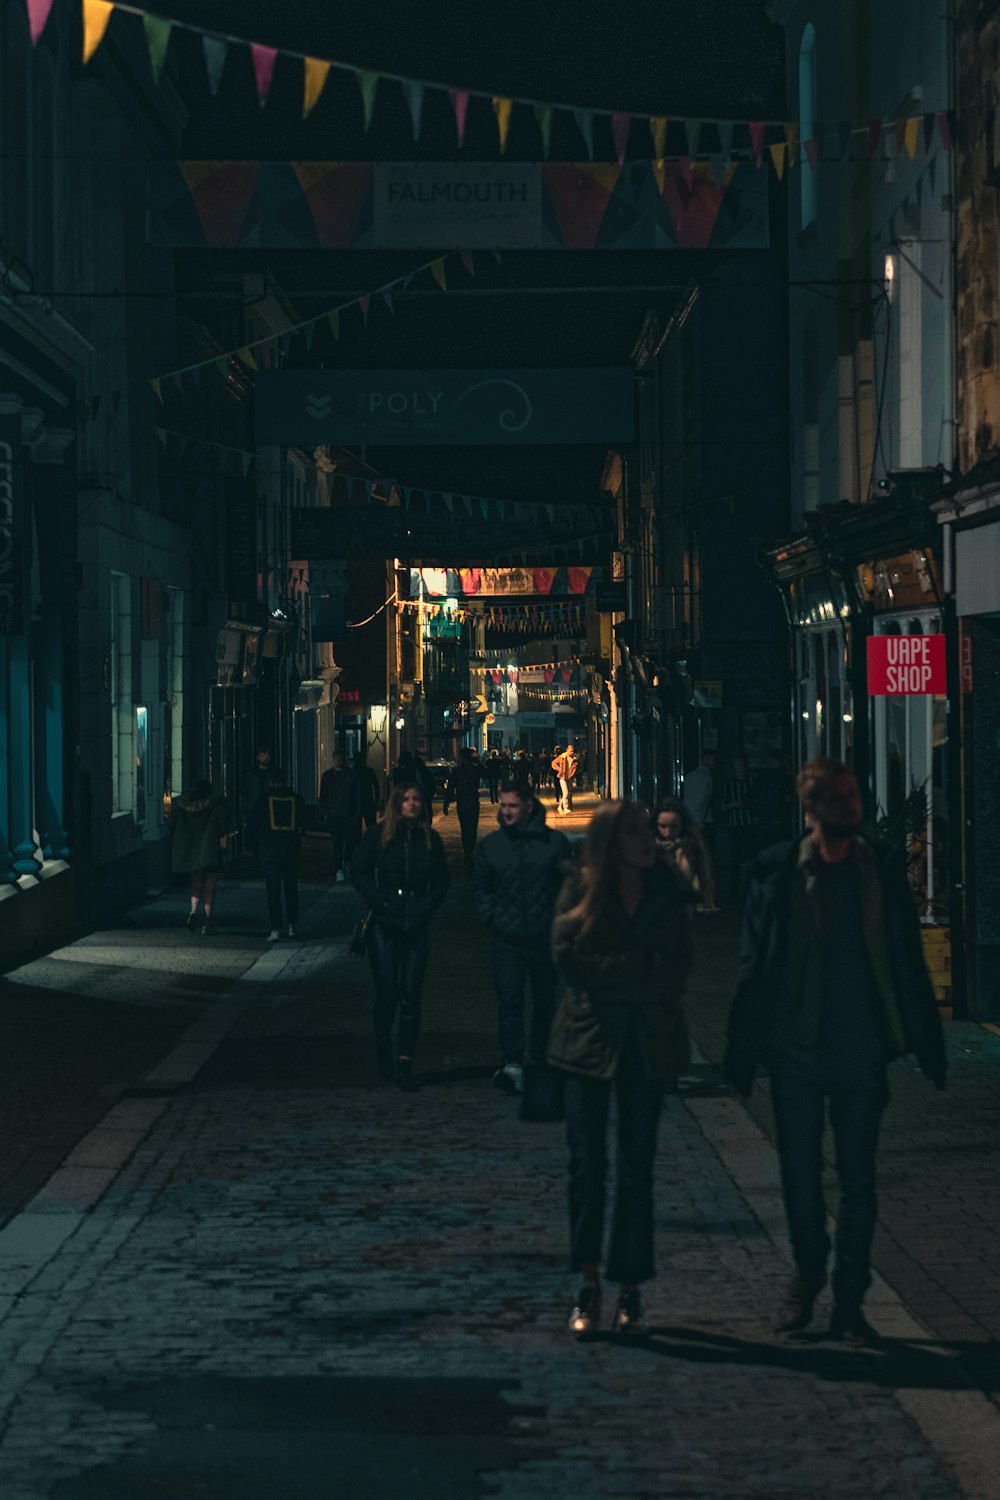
{"x":517,"y":876}
{"x":741,"y":823}
{"x":337,"y":789}
{"x":521,"y":770}
{"x":832,"y":986}
{"x":565,"y":767}
{"x":253,"y":787}
{"x":365,"y":798}
{"x":399,"y":868}
{"x":277,"y":825}
{"x":699,"y":799}
{"x":677,"y":837}
{"x":463,"y":790}
{"x":543,"y":761}
{"x":492,"y":766}
{"x":623,"y":946}
{"x":200,"y":824}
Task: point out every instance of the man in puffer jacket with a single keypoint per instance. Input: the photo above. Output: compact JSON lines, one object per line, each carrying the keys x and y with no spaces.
{"x":516,"y":878}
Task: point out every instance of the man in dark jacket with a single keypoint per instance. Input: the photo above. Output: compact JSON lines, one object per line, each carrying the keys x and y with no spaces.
{"x":463,"y":790}
{"x":277,"y":828}
{"x":832,"y":986}
{"x":337,"y":793}
{"x":517,"y":876}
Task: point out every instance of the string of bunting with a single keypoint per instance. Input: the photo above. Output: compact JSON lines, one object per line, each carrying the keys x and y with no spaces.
{"x":512,"y":618}
{"x":703,"y":136}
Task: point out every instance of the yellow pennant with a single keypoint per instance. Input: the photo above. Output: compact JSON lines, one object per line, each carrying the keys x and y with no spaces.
{"x":246,"y":355}
{"x":658,"y":129}
{"x":778,"y":158}
{"x":316,"y":73}
{"x":910,"y":135}
{"x":158,"y":389}
{"x":96,"y":15}
{"x":660,"y":173}
{"x":502,"y":109}
{"x":333,"y":319}
{"x":791,"y":141}
{"x":437,"y":271}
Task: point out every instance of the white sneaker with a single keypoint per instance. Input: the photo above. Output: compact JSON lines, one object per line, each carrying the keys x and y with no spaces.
{"x":292,"y":931}
{"x":340,"y":876}
{"x":515,"y":1073}
{"x":273,"y":935}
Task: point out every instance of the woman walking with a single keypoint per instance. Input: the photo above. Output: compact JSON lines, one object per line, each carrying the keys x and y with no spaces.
{"x":679,"y":840}
{"x":623,"y":947}
{"x":200,"y":822}
{"x":399,"y":868}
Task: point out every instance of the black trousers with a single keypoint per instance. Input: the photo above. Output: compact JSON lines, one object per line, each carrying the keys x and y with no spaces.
{"x":515,"y":966}
{"x":468,"y":822}
{"x":801,"y":1095}
{"x":638,"y":1100}
{"x":339,"y":830}
{"x":399,"y":963}
{"x":282,"y":875}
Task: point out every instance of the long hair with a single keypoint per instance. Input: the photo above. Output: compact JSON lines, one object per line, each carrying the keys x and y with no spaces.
{"x":597,"y":864}
{"x":394,"y":814}
{"x":692,"y":846}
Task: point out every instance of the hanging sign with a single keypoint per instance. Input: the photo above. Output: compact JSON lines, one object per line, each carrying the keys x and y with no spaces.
{"x":473,"y":206}
{"x":906,"y":665}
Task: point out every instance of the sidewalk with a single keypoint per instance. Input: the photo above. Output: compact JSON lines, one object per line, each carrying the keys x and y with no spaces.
{"x":269,"y":1275}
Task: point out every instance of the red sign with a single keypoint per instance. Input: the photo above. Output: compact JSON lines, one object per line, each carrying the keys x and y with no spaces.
{"x":965,"y":642}
{"x":906,"y":664}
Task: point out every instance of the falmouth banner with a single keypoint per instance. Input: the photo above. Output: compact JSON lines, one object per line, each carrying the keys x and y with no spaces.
{"x":638,"y":205}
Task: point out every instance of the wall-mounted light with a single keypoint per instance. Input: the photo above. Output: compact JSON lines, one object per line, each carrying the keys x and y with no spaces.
{"x":379,"y":716}
{"x":889,"y":276}
{"x":848,"y":718}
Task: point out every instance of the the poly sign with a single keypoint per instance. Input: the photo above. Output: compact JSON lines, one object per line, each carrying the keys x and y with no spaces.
{"x":906,"y":665}
{"x":453,"y":407}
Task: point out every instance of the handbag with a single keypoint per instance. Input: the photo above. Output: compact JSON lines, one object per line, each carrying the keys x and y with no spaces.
{"x":543,"y":1099}
{"x":360,"y":935}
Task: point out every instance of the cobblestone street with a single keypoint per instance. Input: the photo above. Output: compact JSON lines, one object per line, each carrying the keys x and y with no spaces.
{"x":258,"y":1272}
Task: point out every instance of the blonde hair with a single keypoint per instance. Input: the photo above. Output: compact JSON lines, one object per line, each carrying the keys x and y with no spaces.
{"x":394,"y":814}
{"x":597,"y":864}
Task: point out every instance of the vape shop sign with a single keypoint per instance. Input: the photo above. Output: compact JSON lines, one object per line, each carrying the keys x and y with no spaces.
{"x":906,"y":665}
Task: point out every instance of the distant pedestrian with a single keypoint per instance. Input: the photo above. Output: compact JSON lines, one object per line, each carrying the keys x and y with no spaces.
{"x":399,"y":868}
{"x":463,"y":789}
{"x":518,"y":874}
{"x":550,"y":771}
{"x":200,"y":824}
{"x":252,"y":787}
{"x":699,"y":799}
{"x":741,"y":824}
{"x":832,"y":986}
{"x":412,"y":770}
{"x":278,"y":822}
{"x":337,"y":800}
{"x":543,"y":762}
{"x":566,"y":766}
{"x":623,"y":947}
{"x":521,"y":770}
{"x":365,"y":799}
{"x":678,"y":839}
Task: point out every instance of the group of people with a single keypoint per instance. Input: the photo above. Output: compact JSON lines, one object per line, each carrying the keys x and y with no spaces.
{"x":558,"y":769}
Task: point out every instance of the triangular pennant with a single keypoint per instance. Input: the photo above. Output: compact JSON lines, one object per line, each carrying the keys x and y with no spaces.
{"x":543,"y":114}
{"x":368,"y":84}
{"x":585,"y":124}
{"x":874,"y":136}
{"x":38,"y":14}
{"x":811,"y":149}
{"x":222,"y":367}
{"x":364,"y":303}
{"x":465,"y":256}
{"x":911,"y":134}
{"x":726,"y":139}
{"x":684,"y":165}
{"x":502,"y":109}
{"x":387,"y":299}
{"x":692,"y":134}
{"x":437,"y":271}
{"x":621,"y":125}
{"x":413,"y":93}
{"x":467,"y":502}
{"x":777,"y":150}
{"x":718,"y":165}
{"x":157,"y":40}
{"x":791,"y":141}
{"x":844,"y":142}
{"x":96,"y":15}
{"x":658,"y":130}
{"x":216,"y":50}
{"x":246,"y":355}
{"x":928,"y":121}
{"x":309,"y":333}
{"x":246,"y":459}
{"x":449,"y":501}
{"x":158,"y":388}
{"x":460,"y":104}
{"x":263,"y":69}
{"x":161,"y":433}
{"x":333,"y":318}
{"x":178,"y":379}
{"x":315,"y":74}
{"x":756,"y":129}
{"x":944,"y":128}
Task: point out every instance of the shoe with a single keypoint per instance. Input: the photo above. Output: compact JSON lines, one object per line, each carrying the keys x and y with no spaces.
{"x":796,"y":1308}
{"x":341,"y":877}
{"x":292,"y":931}
{"x":585,"y":1318}
{"x":509,"y":1078}
{"x":404,"y":1076}
{"x":209,"y":931}
{"x":384,"y":1059}
{"x":851,"y":1327}
{"x":192,"y":921}
{"x":273,"y":935}
{"x":628,"y":1318}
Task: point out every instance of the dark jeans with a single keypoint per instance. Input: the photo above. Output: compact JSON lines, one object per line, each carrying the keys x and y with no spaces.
{"x":515,"y":965}
{"x":639,"y":1100}
{"x":282,"y":875}
{"x":399,"y":962}
{"x":353,"y":839}
{"x":800,"y":1094}
{"x":468,"y":821}
{"x":339,"y":829}
{"x":493,"y":784}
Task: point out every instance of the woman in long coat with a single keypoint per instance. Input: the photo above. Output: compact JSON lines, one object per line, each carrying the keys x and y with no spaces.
{"x":200,"y":822}
{"x":623,"y":946}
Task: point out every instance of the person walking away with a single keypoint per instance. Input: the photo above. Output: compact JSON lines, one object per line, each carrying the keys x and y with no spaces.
{"x":278,"y":822}
{"x":678,"y":839}
{"x":200,"y":824}
{"x":491,"y":770}
{"x":337,"y":789}
{"x":623,"y":946}
{"x":399,"y":868}
{"x":463,"y":790}
{"x":565,"y":767}
{"x":553,"y":779}
{"x":832,"y":986}
{"x":521,"y":770}
{"x":772,"y":799}
{"x":741,"y":823}
{"x":252,"y":788}
{"x":517,"y":876}
{"x":543,"y":761}
{"x":365,"y":799}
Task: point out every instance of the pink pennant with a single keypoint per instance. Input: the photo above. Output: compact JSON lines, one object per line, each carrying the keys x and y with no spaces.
{"x":465,"y":256}
{"x":684,"y":163}
{"x":364,"y":303}
{"x":263,"y":68}
{"x":756,"y":128}
{"x":38,"y":14}
{"x":460,"y":103}
{"x":621,"y":124}
{"x":943,"y":125}
{"x":811,"y":149}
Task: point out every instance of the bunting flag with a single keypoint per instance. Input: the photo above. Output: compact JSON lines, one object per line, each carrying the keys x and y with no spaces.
{"x":911,"y":132}
{"x":413,"y":93}
{"x":502,"y":109}
{"x":726,"y":129}
{"x":543,"y":114}
{"x":621,"y":126}
{"x":246,"y":355}
{"x":692,"y":134}
{"x":777,"y":150}
{"x":465,"y":256}
{"x":460,"y":104}
{"x":315,"y":74}
{"x":585,"y":124}
{"x":811,"y":149}
{"x":437,"y":271}
{"x":364,"y":303}
{"x":658,"y":130}
{"x":791,"y":141}
{"x":96,"y":15}
{"x":387,"y":299}
{"x":756,"y":129}
{"x":157,"y":40}
{"x":944,"y":128}
{"x":38,"y":14}
{"x":215,"y":50}
{"x":368,"y":84}
{"x":158,"y":389}
{"x":334,"y":320}
{"x":263,"y":69}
